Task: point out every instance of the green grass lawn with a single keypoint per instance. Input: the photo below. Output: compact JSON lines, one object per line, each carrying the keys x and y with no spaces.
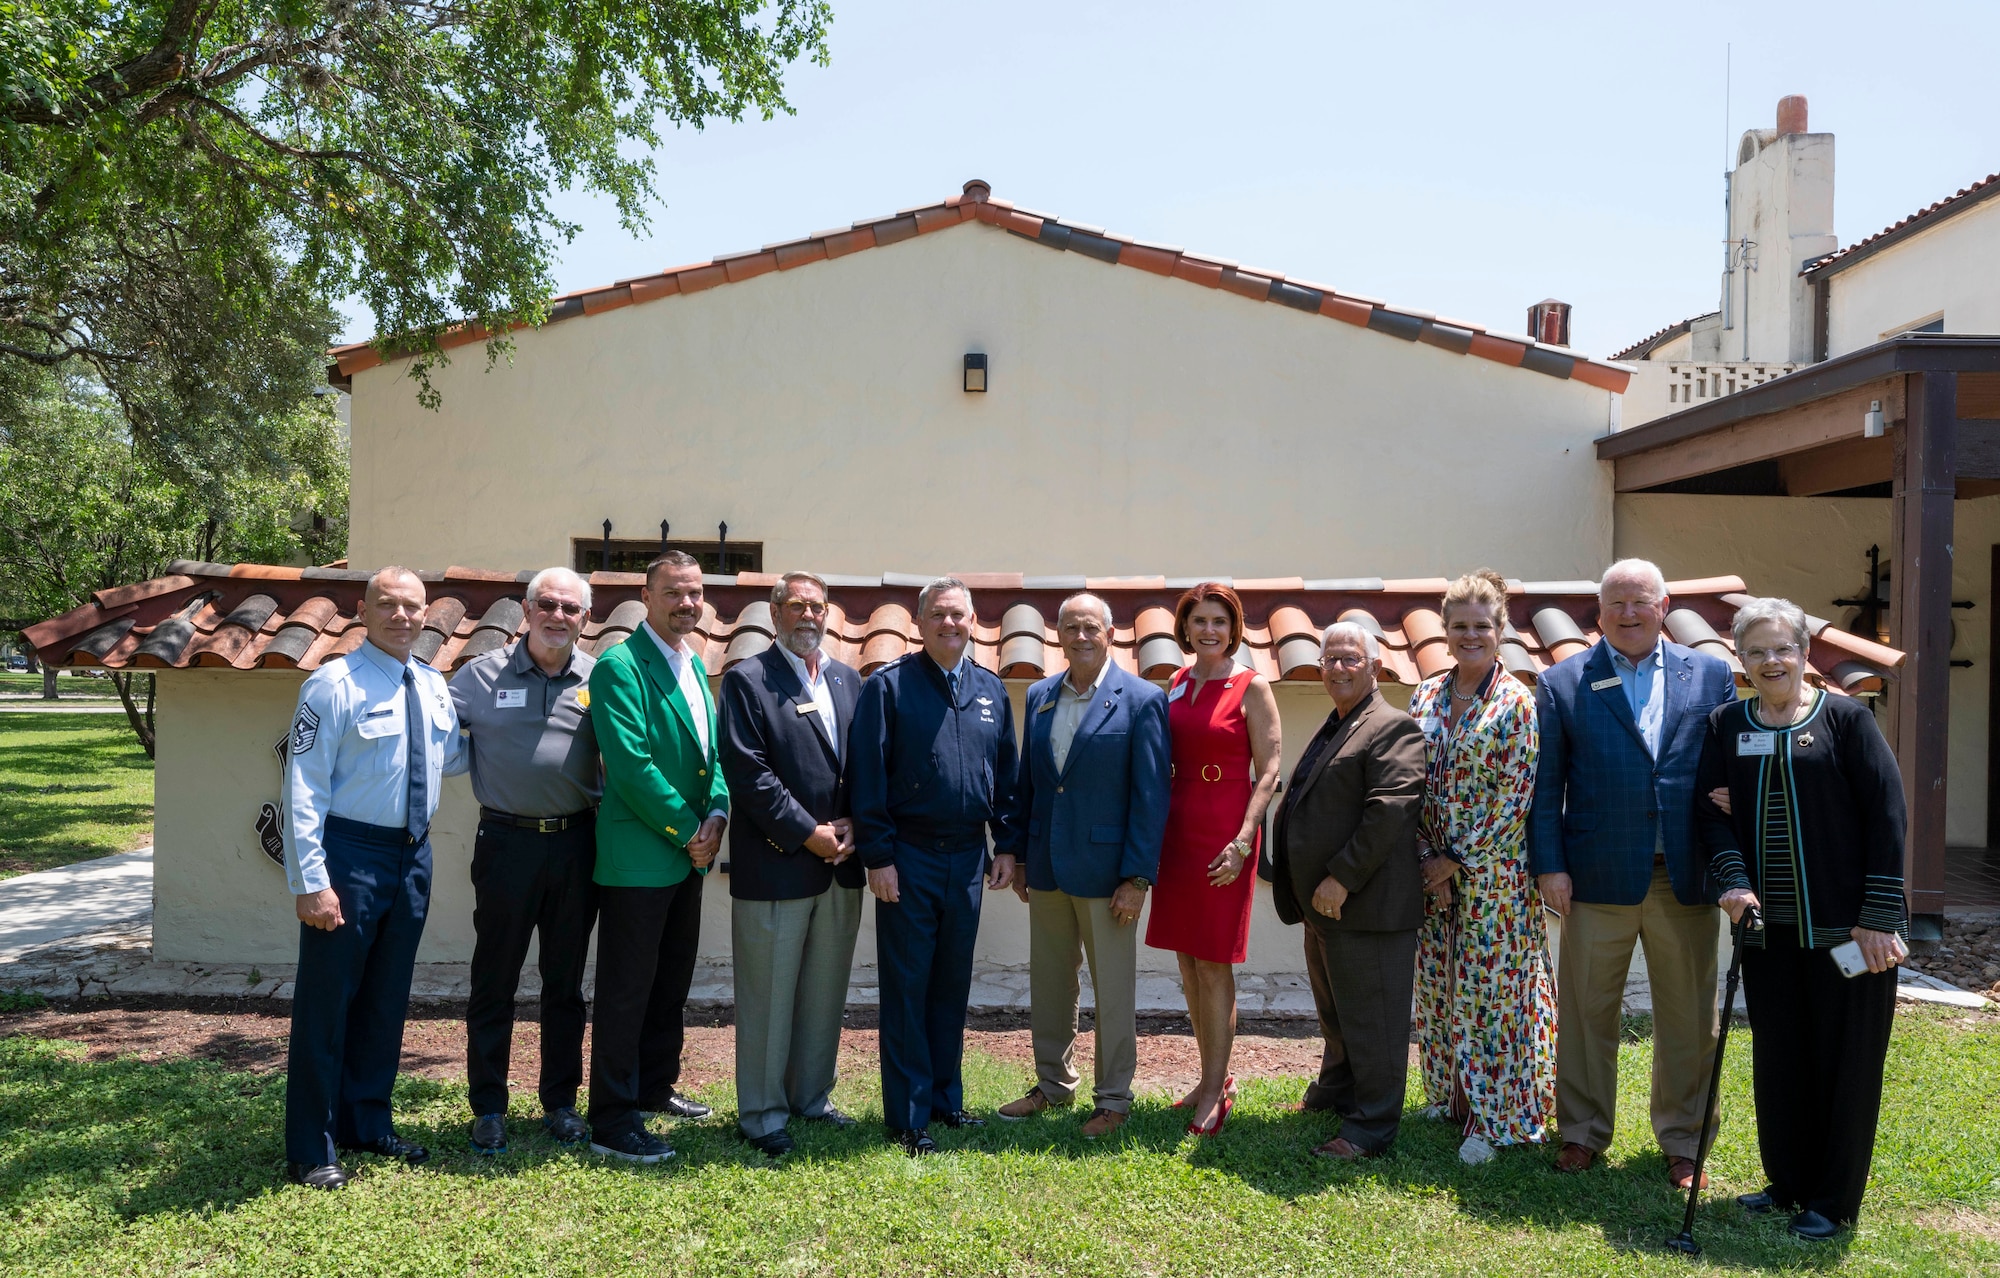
{"x":72,"y":787}
{"x":131,"y":1167}
{"x":68,"y":685}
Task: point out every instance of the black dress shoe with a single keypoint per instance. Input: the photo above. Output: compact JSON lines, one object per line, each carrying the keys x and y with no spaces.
{"x":392,"y":1146}
{"x":489,"y":1134}
{"x":324,"y":1176}
{"x":1813,"y":1227}
{"x":564,"y":1126}
{"x":832,"y":1117}
{"x":1758,"y":1204}
{"x":958,"y":1118}
{"x":679,"y":1106}
{"x":634,"y":1147}
{"x":774,"y":1144}
{"x":915,"y":1142}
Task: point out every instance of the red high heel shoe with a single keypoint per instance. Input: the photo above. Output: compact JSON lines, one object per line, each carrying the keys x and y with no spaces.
{"x":1221,"y":1117}
{"x":1228,"y":1089}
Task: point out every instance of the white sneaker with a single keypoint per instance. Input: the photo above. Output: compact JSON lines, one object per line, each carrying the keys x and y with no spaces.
{"x":1438,"y":1114}
{"x":1475,"y":1151}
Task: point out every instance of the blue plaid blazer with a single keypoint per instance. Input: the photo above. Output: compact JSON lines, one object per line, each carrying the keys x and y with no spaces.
{"x":1602,"y":803}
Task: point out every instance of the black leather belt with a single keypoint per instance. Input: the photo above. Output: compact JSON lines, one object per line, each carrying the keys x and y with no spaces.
{"x":541,"y":825}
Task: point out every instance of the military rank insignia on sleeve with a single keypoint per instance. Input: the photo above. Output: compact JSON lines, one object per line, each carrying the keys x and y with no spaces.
{"x":305,"y":730}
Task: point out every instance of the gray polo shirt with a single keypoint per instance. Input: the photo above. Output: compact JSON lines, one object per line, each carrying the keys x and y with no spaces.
{"x":533,"y":750}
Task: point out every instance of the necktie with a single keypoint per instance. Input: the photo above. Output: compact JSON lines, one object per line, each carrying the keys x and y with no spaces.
{"x":416,"y":732}
{"x":951,"y":677}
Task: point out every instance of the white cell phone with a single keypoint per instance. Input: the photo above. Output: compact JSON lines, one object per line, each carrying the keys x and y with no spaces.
{"x":1847,"y":957}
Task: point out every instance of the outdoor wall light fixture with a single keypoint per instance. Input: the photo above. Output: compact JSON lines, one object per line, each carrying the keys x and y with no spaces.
{"x":975,"y":373}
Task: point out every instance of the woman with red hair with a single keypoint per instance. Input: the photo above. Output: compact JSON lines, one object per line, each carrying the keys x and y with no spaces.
{"x":1224,"y":722}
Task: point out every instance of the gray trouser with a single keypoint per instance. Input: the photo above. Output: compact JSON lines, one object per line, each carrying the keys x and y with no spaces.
{"x":1063,"y":930}
{"x":792,"y":960}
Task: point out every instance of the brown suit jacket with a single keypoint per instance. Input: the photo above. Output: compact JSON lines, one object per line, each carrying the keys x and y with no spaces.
{"x":1355,"y":817}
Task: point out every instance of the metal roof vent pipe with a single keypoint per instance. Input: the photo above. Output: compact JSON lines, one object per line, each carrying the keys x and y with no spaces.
{"x":1791,"y":114}
{"x":1548,"y":322}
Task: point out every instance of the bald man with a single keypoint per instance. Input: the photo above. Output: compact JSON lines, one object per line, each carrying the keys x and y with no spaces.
{"x":374,"y":736}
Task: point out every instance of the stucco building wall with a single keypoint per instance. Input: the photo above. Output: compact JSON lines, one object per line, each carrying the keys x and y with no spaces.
{"x":1135,"y":425}
{"x":1813,"y":550}
{"x":1948,"y":270}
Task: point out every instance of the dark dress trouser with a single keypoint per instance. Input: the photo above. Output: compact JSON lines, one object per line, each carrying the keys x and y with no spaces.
{"x":1818,"y":1041}
{"x":1362,"y":984}
{"x":352,"y":991}
{"x":524,"y":882}
{"x":923,"y":947}
{"x":647,"y":938}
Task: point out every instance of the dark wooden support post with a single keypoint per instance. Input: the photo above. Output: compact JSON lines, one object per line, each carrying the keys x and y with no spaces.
{"x":1922,"y":515}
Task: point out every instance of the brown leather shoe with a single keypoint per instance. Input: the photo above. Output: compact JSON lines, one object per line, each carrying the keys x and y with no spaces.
{"x":1343,"y":1149}
{"x":1680,"y":1173}
{"x":1575,"y":1157}
{"x":1027,"y":1107}
{"x":1102,"y":1122}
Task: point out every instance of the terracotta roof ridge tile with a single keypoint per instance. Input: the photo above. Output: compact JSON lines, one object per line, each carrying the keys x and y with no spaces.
{"x":1957,"y":202}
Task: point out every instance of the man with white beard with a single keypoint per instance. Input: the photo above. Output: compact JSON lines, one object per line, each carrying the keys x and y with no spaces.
{"x":794,"y":881}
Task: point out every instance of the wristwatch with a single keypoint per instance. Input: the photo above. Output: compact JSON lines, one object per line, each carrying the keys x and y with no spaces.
{"x":1143,"y":882}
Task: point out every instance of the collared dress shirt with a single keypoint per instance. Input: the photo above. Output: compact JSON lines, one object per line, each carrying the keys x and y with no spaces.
{"x":528,"y":733}
{"x":1645,"y":691}
{"x":692,"y":693}
{"x":345,"y":755}
{"x":814,"y":682}
{"x":1070,"y":705}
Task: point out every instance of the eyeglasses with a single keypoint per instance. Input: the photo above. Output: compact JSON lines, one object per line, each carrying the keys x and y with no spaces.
{"x":1343,"y":663}
{"x":1783,"y":652}
{"x":557,"y":605}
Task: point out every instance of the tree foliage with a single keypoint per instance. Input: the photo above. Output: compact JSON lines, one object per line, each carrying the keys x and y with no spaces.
{"x":181,"y":181}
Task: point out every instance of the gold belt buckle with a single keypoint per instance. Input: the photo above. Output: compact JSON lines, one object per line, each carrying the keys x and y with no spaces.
{"x":1218,"y":772}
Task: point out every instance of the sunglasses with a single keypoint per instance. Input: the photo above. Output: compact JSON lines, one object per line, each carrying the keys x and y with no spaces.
{"x":557,"y":605}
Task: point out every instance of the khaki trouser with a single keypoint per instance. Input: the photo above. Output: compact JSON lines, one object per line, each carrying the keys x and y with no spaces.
{"x":1596,"y":954}
{"x":792,"y":960}
{"x":1063,"y":930}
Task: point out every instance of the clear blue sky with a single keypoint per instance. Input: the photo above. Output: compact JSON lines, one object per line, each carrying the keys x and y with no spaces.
{"x":1467,"y":159}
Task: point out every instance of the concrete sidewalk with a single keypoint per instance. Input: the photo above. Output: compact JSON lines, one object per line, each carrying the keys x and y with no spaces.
{"x":36,"y":909}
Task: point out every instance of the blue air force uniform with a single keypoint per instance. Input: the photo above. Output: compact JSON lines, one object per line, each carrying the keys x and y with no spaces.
{"x":371,"y":742}
{"x":932,"y":770}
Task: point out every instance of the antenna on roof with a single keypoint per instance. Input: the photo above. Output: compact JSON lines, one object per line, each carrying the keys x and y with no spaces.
{"x":1728,"y":204}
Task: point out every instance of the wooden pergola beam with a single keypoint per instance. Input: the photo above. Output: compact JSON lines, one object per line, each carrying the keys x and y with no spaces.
{"x":1921,"y":518}
{"x":1835,"y":419}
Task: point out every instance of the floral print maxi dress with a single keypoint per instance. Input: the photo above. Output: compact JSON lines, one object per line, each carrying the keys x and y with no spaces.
{"x":1485,"y":998}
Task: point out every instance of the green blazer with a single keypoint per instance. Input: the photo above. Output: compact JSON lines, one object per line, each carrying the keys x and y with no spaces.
{"x":659,"y":786}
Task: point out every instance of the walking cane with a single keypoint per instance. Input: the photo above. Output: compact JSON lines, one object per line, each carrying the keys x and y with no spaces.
{"x":1683,"y":1242}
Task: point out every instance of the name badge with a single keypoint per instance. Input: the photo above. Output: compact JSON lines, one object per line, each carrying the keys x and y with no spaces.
{"x":1430,"y":725}
{"x":1175,"y":695}
{"x":1602,"y":684}
{"x":805,"y":707}
{"x":511,"y":699}
{"x":1045,"y":709}
{"x":1749,"y":744}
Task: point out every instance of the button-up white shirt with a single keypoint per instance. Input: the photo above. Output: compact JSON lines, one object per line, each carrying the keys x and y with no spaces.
{"x":681,"y":662}
{"x":345,"y":755}
{"x":678,"y":660}
{"x":814,"y":682}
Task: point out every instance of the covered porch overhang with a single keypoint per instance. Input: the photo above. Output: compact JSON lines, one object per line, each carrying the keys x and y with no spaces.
{"x":1915,"y":419}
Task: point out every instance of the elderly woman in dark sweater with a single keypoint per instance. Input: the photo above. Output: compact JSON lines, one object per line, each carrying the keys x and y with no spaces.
{"x":1801,"y":813}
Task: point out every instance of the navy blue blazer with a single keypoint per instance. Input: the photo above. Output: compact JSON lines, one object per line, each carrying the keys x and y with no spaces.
{"x":785,"y":776}
{"x":1602,"y":803}
{"x":1102,"y":818}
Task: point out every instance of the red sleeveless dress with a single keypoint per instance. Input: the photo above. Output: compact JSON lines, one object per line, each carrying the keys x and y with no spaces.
{"x":1212,"y":786}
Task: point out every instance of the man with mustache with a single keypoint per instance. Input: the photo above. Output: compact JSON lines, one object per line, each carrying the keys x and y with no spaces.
{"x":794,"y":880}
{"x":658,"y":830}
{"x":374,"y":735}
{"x":526,"y":715}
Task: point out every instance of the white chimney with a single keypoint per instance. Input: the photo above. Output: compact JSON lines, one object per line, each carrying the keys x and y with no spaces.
{"x":1780,"y":218}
